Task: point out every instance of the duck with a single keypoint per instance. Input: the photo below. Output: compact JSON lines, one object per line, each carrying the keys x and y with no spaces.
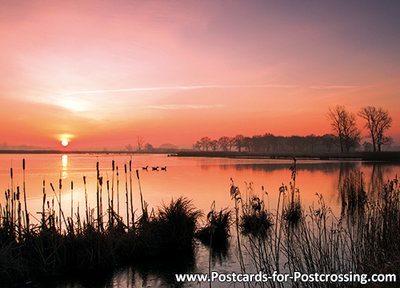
{"x":155,"y":168}
{"x":145,"y":167}
{"x":164,"y":168}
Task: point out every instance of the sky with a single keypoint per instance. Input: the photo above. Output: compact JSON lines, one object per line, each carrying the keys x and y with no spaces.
{"x":102,"y":73}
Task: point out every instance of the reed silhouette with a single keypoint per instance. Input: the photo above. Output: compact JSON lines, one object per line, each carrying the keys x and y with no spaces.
{"x":56,"y":245}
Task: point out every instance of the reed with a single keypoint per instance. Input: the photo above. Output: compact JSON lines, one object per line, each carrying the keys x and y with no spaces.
{"x":255,"y":219}
{"x":117,"y":190}
{"x":363,"y":242}
{"x":24,"y":191}
{"x":43,"y":250}
{"x":131,"y":193}
{"x":126,"y":195}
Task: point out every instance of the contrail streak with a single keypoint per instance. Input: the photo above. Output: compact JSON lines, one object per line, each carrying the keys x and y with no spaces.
{"x":148,"y":89}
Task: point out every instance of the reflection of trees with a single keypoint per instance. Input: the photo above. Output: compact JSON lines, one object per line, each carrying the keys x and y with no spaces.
{"x":372,"y":184}
{"x":376,"y":179}
{"x":331,"y":167}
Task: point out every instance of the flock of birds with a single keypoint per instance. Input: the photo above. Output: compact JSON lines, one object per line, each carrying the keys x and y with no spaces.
{"x":156,"y":168}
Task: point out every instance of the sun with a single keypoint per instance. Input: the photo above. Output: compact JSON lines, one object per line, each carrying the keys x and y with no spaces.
{"x":64,"y":142}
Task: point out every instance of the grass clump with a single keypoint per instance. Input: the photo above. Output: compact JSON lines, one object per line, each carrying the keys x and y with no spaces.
{"x":293,"y":213}
{"x":255,"y":220}
{"x":216,"y":231}
{"x":168,"y":234}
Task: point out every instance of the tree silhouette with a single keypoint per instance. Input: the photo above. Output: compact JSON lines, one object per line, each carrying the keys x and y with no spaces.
{"x":378,"y":122}
{"x":344,"y":125}
{"x":238,"y":142}
{"x":140,"y":143}
{"x":205,"y":143}
{"x":223,"y":143}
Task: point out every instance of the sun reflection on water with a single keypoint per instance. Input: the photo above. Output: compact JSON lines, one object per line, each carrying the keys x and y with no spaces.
{"x":64,"y":162}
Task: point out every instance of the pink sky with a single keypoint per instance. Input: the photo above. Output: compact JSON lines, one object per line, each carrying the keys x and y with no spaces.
{"x":102,"y":73}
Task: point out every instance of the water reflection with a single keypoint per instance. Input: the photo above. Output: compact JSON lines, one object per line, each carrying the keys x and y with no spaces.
{"x":202,"y":180}
{"x":326,"y":167}
{"x":64,"y":162}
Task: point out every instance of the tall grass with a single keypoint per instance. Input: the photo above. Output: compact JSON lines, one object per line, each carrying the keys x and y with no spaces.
{"x":364,"y":242}
{"x":216,"y":231}
{"x":90,"y":243}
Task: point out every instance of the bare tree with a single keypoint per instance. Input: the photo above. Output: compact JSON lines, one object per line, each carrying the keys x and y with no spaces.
{"x":214,"y":145}
{"x":205,"y":143}
{"x":223,"y":143}
{"x":344,"y":124}
{"x":378,"y":122}
{"x":140,"y":143}
{"x":238,"y":142}
{"x":197,"y":145}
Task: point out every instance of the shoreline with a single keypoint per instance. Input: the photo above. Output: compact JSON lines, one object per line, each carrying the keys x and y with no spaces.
{"x":355,"y":156}
{"x":386,"y":156}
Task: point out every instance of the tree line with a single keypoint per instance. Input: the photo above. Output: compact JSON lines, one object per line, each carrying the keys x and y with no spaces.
{"x":346,"y":136}
{"x":269,"y":143}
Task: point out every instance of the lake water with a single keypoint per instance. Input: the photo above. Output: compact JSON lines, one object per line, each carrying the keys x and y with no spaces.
{"x":203,"y":180}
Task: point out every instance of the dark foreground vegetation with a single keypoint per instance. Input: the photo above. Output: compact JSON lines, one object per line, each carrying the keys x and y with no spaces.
{"x":42,"y":251}
{"x":66,"y":247}
{"x":364,"y":239}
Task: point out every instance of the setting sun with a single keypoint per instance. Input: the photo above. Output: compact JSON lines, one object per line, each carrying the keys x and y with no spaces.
{"x":64,"y":142}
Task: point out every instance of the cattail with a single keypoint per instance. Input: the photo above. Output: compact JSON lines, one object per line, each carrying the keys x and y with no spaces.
{"x":61,"y":213}
{"x":59,"y":201}
{"x":43,"y":203}
{"x":112,"y":191}
{"x":140,"y":191}
{"x":98,"y":197}
{"x":131,"y":194}
{"x":72,"y":202}
{"x":78,"y":219}
{"x":24,"y":191}
{"x":12,"y":196}
{"x":86,"y":200}
{"x":18,"y":212}
{"x":101,"y":202}
{"x":108,"y":201}
{"x":126,"y":194}
{"x":117,"y":191}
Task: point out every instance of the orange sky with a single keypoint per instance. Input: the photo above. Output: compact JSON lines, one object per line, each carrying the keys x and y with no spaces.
{"x":103,"y":73}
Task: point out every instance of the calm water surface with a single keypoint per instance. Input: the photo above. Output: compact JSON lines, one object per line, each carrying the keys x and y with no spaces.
{"x":203,"y":180}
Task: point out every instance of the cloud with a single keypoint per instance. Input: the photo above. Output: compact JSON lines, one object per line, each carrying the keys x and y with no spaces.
{"x":334,"y":87}
{"x":191,"y":87}
{"x":184,"y":107}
